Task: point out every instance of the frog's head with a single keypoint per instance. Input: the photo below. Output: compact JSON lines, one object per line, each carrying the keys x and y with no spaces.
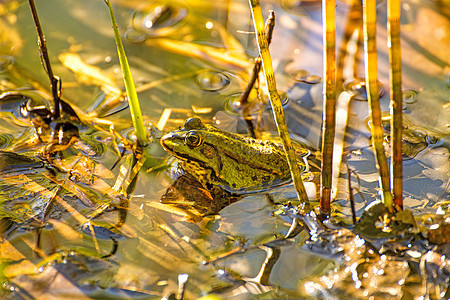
{"x":190,"y":144}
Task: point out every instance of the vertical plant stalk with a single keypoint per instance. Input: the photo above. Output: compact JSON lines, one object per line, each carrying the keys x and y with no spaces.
{"x":370,"y":58}
{"x":270,"y":23}
{"x":55,"y":81}
{"x":276,"y":103}
{"x":133,"y":100}
{"x":349,"y":45}
{"x":329,"y":102}
{"x":246,"y":113}
{"x":350,"y":194}
{"x":395,"y":75}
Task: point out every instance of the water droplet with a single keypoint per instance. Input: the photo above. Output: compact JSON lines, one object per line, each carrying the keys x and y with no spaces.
{"x":159,"y":18}
{"x":358,"y":88}
{"x":5,"y":62}
{"x":212,"y":81}
{"x":13,"y":289}
{"x":409,"y":96}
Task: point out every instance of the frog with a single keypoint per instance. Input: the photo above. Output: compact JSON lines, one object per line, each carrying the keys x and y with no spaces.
{"x":233,"y":162}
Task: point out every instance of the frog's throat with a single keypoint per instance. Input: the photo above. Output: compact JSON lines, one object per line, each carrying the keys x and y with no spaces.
{"x":202,"y":173}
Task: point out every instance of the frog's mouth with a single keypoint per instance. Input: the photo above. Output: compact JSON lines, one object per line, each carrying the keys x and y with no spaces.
{"x":170,"y":143}
{"x":166,"y":143}
{"x":174,"y":143}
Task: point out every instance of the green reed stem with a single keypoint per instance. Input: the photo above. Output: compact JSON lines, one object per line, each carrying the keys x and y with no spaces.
{"x":133,"y":100}
{"x":395,"y":75}
{"x":329,"y":102}
{"x":276,"y":102}
{"x":370,"y":58}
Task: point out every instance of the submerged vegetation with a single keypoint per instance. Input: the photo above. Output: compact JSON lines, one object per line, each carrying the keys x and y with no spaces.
{"x":195,"y":195}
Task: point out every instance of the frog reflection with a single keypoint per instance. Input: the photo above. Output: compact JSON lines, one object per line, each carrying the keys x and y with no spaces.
{"x":415,"y":139}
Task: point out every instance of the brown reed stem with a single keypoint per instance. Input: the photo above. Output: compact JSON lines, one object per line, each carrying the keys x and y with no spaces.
{"x":55,"y":81}
{"x":276,"y":103}
{"x":270,"y":23}
{"x":329,"y":102}
{"x":395,"y":75}
{"x":370,"y":58}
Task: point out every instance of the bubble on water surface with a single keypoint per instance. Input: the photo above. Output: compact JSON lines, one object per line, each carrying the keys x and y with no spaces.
{"x":101,"y":137}
{"x":305,"y":77}
{"x":357,"y":87}
{"x":135,"y":36}
{"x":409,"y":96}
{"x":159,"y":18}
{"x":212,"y":81}
{"x":313,"y":79}
{"x":89,"y":147}
{"x":300,"y":75}
{"x":95,"y":144}
{"x":233,"y":103}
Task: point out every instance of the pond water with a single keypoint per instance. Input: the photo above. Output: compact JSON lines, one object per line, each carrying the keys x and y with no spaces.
{"x":67,"y":231}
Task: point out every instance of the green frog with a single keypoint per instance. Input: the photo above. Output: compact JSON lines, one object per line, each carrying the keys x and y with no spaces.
{"x":235,"y":163}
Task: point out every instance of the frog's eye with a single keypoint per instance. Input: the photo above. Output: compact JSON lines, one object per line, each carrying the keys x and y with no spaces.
{"x":193,"y":139}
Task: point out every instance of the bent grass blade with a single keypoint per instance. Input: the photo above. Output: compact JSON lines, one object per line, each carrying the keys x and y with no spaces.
{"x":133,"y":100}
